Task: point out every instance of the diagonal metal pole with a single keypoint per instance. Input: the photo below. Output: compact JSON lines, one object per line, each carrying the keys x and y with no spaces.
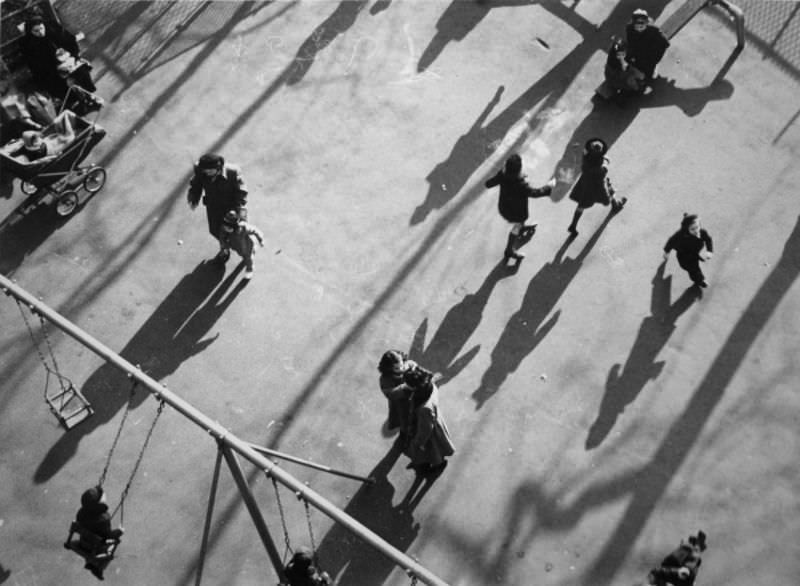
{"x":252,"y":507}
{"x":224,"y":437}
{"x":212,"y":497}
{"x":309,"y":464}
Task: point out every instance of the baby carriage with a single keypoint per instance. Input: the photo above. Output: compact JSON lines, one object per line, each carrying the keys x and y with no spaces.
{"x":57,"y":177}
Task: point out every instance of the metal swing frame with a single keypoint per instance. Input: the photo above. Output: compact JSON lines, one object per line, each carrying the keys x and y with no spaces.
{"x":68,"y":404}
{"x":231,"y":447}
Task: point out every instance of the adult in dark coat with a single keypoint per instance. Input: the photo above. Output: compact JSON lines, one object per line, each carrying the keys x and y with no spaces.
{"x":40,"y":49}
{"x":429,"y":442}
{"x":221,"y":188}
{"x":593,"y":186}
{"x":646,"y":44}
{"x":692,"y":244}
{"x":392,"y":366}
{"x":93,"y":516}
{"x":513,"y":202}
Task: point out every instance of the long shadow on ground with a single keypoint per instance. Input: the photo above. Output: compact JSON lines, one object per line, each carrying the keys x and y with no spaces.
{"x":175,"y":332}
{"x":641,"y":365}
{"x":534,"y":509}
{"x":651,"y":481}
{"x":527,"y":327}
{"x":477,"y":144}
{"x":460,"y":322}
{"x":609,"y":119}
{"x":352,"y":561}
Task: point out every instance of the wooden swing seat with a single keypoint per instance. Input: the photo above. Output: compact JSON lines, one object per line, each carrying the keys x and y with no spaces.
{"x":90,"y":546}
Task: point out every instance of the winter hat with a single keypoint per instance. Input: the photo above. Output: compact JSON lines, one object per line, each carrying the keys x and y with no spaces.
{"x":91,"y":496}
{"x":210,"y":161}
{"x":640,"y":15}
{"x":596,"y":146}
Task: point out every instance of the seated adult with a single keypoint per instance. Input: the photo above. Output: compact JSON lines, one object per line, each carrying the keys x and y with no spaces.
{"x":646,"y":44}
{"x":93,"y":516}
{"x":40,"y":49}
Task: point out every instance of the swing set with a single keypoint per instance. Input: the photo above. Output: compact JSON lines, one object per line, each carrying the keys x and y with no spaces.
{"x":71,"y":407}
{"x":97,"y":550}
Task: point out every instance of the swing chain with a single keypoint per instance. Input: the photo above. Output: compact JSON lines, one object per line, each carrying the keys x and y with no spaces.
{"x":119,"y":434}
{"x":50,"y":350}
{"x":283,"y":518}
{"x":54,"y":370}
{"x":310,"y":530}
{"x":127,"y":488}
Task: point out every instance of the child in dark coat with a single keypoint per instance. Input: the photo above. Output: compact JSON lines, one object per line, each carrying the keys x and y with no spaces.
{"x":513,"y":203}
{"x":593,"y":186}
{"x":680,"y":567}
{"x":301,"y":571}
{"x":692,"y":245}
{"x":93,"y":516}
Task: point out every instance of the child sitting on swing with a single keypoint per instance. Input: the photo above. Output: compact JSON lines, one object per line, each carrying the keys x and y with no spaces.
{"x":301,"y":571}
{"x":93,"y":516}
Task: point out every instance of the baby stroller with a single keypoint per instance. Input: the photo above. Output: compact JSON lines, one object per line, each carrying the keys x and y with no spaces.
{"x":57,"y":178}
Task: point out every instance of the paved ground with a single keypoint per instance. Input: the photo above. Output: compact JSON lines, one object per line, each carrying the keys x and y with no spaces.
{"x":601,"y":412}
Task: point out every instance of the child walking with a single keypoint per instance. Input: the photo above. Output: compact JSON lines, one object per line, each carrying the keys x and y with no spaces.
{"x":593,"y":186}
{"x":513,"y":203}
{"x":692,"y":244}
{"x":240,"y":236}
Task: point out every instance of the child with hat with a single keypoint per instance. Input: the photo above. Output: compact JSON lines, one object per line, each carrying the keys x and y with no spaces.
{"x":242,"y":237}
{"x":593,"y":186}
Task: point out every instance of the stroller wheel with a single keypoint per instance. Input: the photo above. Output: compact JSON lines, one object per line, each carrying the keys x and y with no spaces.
{"x":28,"y":188}
{"x":66,"y":203}
{"x":95,"y":179}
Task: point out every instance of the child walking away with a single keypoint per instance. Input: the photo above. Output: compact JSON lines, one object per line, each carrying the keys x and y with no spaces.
{"x":691,"y":244}
{"x":240,"y":236}
{"x":593,"y":186}
{"x":680,"y":567}
{"x":513,"y":203}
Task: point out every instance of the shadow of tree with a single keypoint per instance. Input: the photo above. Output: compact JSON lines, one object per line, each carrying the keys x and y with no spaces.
{"x":348,"y":559}
{"x":527,"y":327}
{"x":641,"y":366}
{"x":171,"y":335}
{"x":458,"y":325}
{"x":337,"y":23}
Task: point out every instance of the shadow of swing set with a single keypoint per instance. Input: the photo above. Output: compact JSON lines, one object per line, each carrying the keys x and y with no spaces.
{"x":70,"y":407}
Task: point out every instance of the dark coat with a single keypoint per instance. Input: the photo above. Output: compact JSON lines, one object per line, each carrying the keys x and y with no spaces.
{"x":593,"y":186}
{"x":40,"y":57}
{"x":687,"y":247}
{"x":227,"y":191}
{"x":646,"y":48}
{"x":95,"y":518}
{"x":514,"y":194}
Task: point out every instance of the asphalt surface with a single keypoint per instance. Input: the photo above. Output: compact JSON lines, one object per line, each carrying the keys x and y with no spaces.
{"x":601,"y":409}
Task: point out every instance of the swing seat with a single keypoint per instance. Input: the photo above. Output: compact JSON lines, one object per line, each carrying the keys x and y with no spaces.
{"x":90,"y":546}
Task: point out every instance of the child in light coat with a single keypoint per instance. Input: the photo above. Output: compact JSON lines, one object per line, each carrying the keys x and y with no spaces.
{"x":242,"y":237}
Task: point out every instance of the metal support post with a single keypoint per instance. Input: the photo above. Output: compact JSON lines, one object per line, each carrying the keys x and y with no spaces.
{"x":252,"y":507}
{"x":207,"y":527}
